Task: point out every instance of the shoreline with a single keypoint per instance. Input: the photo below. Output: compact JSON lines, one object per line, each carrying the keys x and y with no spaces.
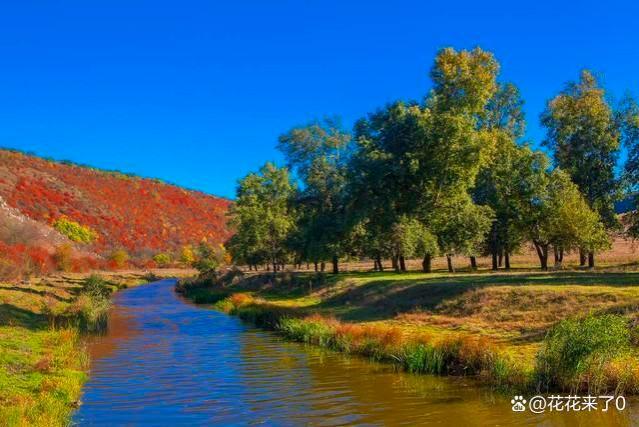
{"x":382,"y":317}
{"x":43,"y":354}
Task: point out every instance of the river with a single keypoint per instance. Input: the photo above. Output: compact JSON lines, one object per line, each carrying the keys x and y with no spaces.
{"x":166,"y":361}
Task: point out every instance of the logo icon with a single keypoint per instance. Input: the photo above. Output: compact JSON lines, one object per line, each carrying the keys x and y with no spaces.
{"x":519,"y":403}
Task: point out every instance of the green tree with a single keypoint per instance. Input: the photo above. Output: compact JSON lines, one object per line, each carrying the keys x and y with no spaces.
{"x":584,"y":136}
{"x":501,"y":182}
{"x":318,"y":154}
{"x":208,"y":257}
{"x":263,"y":216}
{"x":414,"y":159}
{"x":410,"y":238}
{"x":559,"y":215}
{"x":461,"y":228}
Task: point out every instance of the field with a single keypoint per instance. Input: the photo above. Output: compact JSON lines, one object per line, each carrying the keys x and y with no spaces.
{"x":494,"y":318}
{"x":624,"y":255}
{"x":43,"y":363}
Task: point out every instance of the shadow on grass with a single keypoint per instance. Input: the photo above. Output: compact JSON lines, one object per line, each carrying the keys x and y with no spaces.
{"x":388,"y":296}
{"x":42,"y":293}
{"x":11,"y":315}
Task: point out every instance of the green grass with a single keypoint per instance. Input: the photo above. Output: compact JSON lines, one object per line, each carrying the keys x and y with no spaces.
{"x":43,"y":360}
{"x":41,"y":375}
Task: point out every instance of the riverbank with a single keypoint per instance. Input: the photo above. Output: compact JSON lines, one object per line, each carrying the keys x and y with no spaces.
{"x":569,"y":331}
{"x":43,"y":363}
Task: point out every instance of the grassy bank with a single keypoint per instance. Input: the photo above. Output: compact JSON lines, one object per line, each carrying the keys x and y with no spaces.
{"x":43,"y":362}
{"x":570,"y":331}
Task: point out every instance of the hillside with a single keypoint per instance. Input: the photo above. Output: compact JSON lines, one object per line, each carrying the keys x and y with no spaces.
{"x":142,"y":216}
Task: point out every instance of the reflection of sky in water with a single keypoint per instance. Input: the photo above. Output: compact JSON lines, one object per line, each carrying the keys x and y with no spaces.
{"x":167,"y":362}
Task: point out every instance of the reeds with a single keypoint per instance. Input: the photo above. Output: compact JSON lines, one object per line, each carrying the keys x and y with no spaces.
{"x":457,"y":355}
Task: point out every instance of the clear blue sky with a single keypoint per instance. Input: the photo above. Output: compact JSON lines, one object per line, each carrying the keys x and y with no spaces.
{"x":196,"y":92}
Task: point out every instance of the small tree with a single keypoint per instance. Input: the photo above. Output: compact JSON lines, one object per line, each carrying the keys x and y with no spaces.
{"x":560,"y":216}
{"x":209,"y":257}
{"x":263,"y":216}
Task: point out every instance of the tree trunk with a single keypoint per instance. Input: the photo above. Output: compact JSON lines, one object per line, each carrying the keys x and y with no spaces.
{"x":542,"y":253}
{"x":315,"y":266}
{"x":379,"y":263}
{"x":582,"y":258}
{"x":426,"y":263}
{"x":501,"y":258}
{"x":449,"y":261}
{"x":507,"y":260}
{"x":402,"y":263}
{"x":323,"y":266}
{"x":473,"y":263}
{"x":395,"y":262}
{"x":495,"y":265}
{"x":557,"y":257}
{"x":591,"y":260}
{"x":335,"y":264}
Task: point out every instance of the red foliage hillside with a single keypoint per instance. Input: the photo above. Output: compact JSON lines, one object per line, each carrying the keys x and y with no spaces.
{"x":142,"y":215}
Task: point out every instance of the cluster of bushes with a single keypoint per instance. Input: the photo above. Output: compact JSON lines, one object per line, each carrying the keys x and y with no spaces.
{"x":75,"y":231}
{"x":593,"y":354}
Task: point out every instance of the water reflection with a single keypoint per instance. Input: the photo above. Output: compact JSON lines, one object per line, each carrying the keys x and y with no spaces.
{"x":165,"y":361}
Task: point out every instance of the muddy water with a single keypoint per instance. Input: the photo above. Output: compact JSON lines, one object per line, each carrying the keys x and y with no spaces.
{"x":165,"y":361}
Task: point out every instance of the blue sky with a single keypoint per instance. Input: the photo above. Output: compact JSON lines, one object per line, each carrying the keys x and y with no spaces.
{"x":196,"y":92}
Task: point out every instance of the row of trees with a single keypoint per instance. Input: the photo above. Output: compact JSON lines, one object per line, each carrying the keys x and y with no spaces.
{"x":447,"y":176}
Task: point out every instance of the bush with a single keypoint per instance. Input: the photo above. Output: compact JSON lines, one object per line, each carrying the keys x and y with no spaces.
{"x":92,"y":305}
{"x":162,"y":259}
{"x":209,"y":257}
{"x":119,"y":258}
{"x":75,"y":231}
{"x":187,"y":255}
{"x":64,"y":257}
{"x":96,"y":287}
{"x":576,"y":352}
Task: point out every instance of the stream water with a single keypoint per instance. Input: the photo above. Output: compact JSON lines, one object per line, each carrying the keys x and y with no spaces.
{"x":165,"y":361}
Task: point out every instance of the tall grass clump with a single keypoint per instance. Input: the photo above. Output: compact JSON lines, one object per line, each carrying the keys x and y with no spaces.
{"x":593,"y":354}
{"x":91,"y":307}
{"x":456,"y":355}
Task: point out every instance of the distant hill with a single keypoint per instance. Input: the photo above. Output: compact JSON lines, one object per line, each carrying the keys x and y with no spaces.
{"x":143,"y":216}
